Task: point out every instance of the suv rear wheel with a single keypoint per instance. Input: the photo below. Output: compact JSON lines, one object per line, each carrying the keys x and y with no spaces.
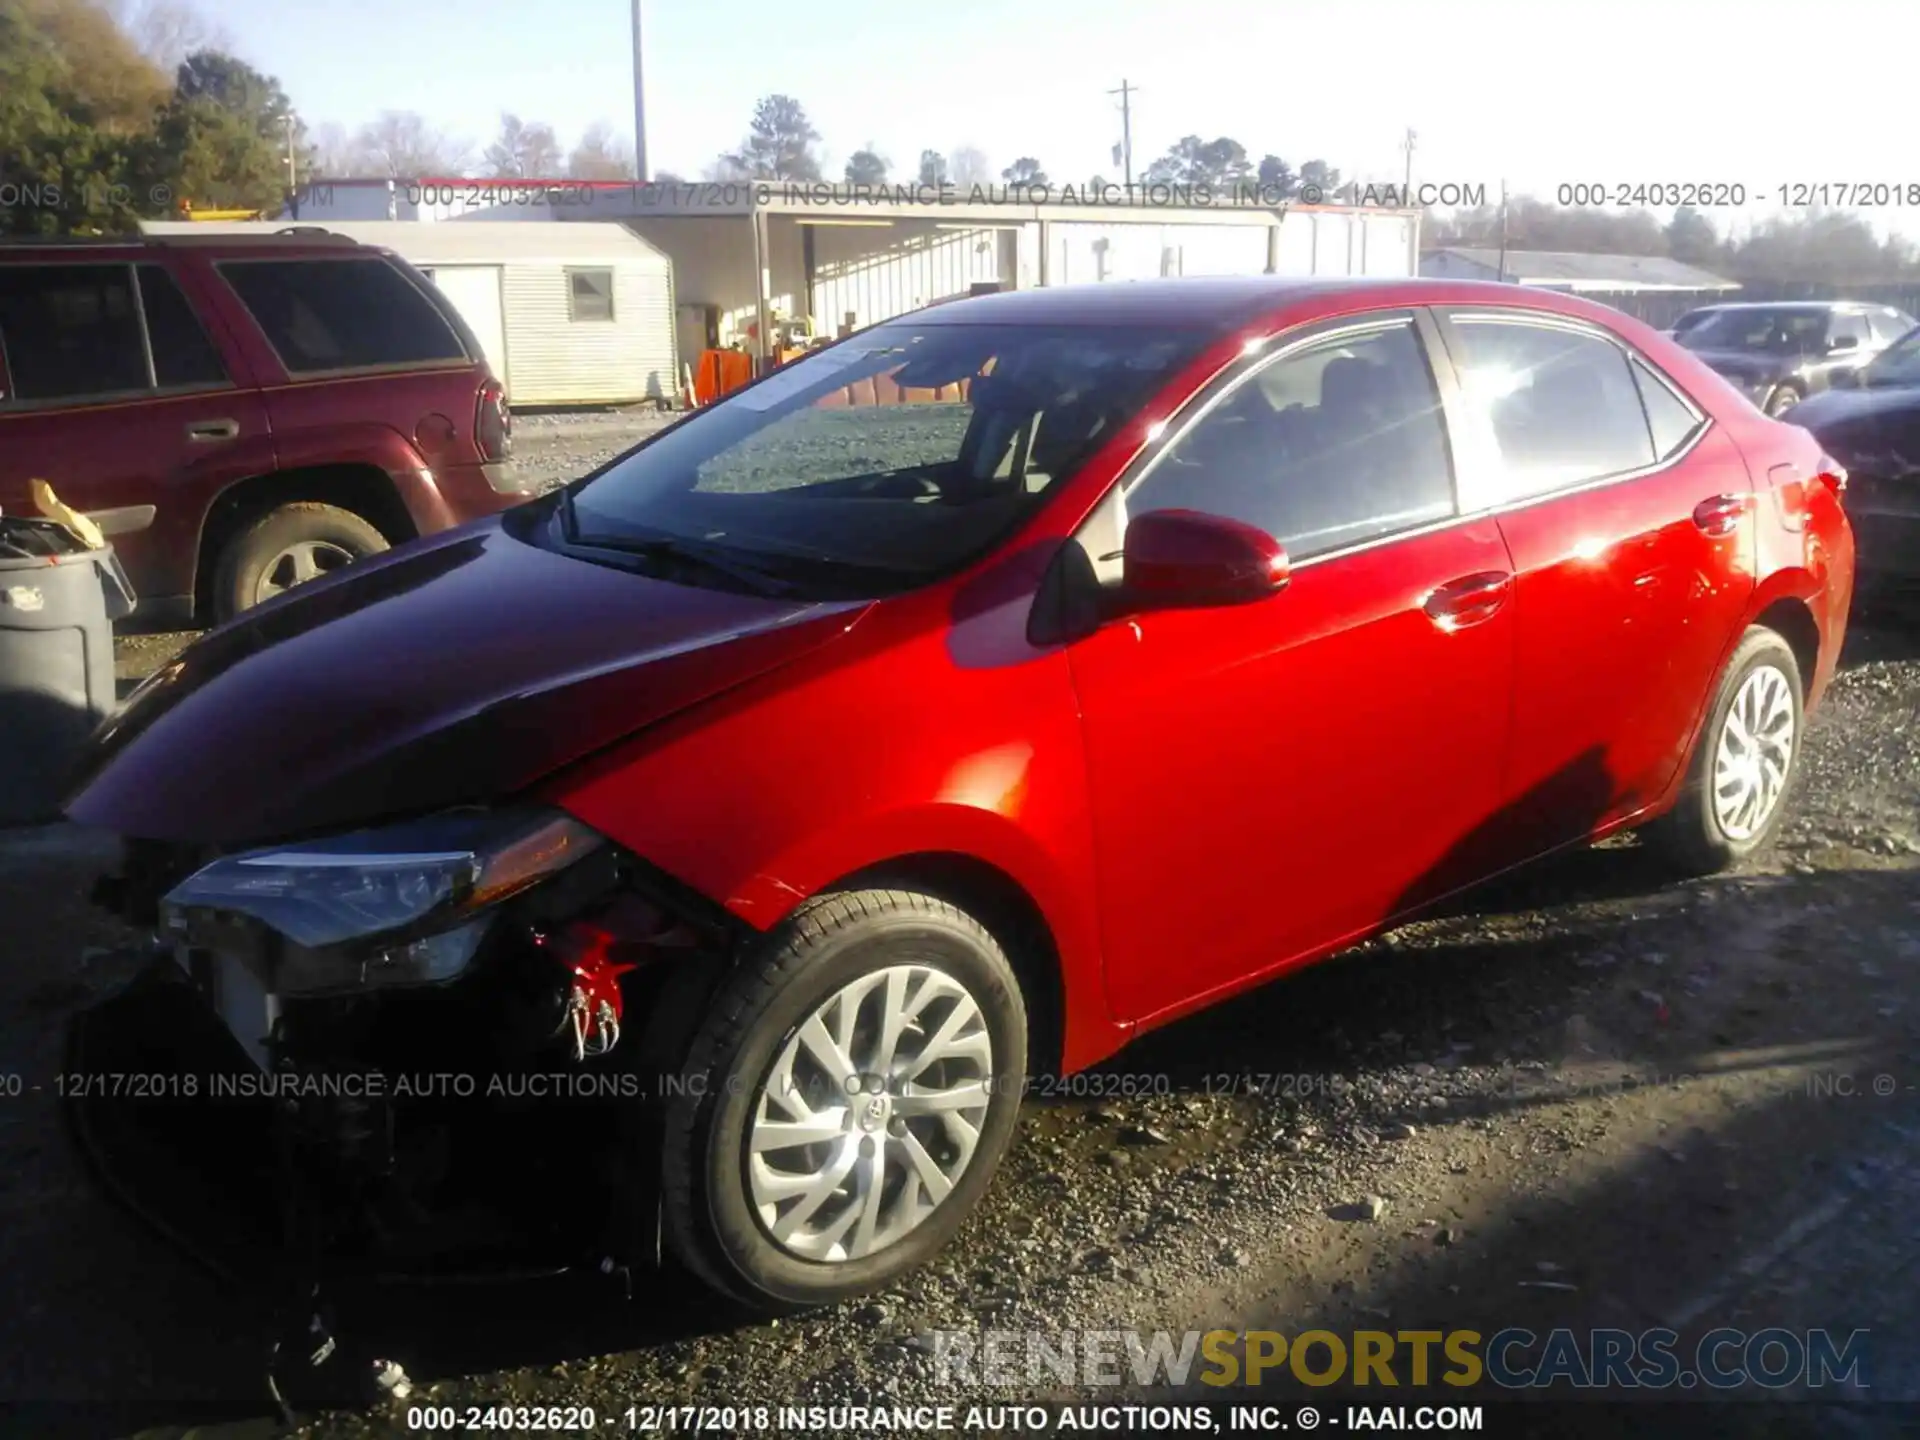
{"x":848,"y":1098}
{"x":286,"y":547}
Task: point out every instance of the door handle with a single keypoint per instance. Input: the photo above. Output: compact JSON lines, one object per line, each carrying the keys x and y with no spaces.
{"x":1470,"y":600}
{"x":1720,"y":515}
{"x":213,"y":430}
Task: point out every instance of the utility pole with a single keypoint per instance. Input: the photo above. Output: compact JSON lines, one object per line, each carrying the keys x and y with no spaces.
{"x":293,"y":175}
{"x":639,"y":103}
{"x":1406,"y":193}
{"x":1126,"y":93}
{"x":1501,"y":274}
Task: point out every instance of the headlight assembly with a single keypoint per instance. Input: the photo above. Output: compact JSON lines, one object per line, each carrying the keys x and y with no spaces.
{"x":405,"y":904}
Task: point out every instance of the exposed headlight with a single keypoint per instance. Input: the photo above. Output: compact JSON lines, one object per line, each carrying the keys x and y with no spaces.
{"x":406,"y":904}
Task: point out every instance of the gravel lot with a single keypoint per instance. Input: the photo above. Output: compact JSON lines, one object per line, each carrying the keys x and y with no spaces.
{"x":1587,"y":1098}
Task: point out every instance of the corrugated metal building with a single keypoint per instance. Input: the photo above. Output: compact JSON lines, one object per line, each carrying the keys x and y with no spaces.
{"x":568,"y":314}
{"x":848,"y":260}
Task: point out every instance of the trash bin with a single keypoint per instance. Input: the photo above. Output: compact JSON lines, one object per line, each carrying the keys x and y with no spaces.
{"x":58,"y":602}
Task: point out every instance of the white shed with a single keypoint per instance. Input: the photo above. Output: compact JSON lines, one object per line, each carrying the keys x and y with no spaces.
{"x":579,"y":314}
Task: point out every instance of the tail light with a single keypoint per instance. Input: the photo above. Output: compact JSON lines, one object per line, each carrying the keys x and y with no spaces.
{"x":1831,"y":473}
{"x":493,"y":422}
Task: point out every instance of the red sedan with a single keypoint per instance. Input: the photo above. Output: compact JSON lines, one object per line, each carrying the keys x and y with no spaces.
{"x":961,"y":700}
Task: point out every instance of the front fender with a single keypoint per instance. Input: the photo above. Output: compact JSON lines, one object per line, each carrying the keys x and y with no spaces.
{"x":763,"y":798}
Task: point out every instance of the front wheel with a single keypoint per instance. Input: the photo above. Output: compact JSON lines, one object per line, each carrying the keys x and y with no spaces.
{"x":845,"y":1102}
{"x":1783,"y":399}
{"x":1744,"y":763}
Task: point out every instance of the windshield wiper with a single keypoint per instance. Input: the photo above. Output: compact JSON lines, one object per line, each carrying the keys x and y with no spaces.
{"x":678,"y":550}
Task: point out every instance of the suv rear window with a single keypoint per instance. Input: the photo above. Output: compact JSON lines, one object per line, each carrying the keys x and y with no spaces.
{"x":342,"y":314}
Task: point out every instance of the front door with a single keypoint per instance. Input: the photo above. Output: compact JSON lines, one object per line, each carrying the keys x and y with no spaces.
{"x":1631,"y":523}
{"x":121,"y":402}
{"x":1270,"y":778}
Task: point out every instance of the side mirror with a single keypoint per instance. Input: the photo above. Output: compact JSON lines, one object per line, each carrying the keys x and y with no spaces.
{"x":1177,"y":559}
{"x":1842,"y":343}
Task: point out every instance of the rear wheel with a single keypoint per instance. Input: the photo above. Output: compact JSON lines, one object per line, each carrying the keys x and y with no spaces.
{"x":1744,"y":763}
{"x":847,"y":1100}
{"x":286,"y":547}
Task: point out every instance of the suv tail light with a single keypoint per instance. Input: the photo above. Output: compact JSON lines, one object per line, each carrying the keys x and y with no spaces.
{"x":493,"y":422}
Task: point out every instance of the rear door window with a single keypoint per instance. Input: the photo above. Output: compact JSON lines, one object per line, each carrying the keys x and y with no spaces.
{"x":1848,"y":325}
{"x":1562,"y":403}
{"x":71,"y":332}
{"x":347,"y":313}
{"x":183,"y":355}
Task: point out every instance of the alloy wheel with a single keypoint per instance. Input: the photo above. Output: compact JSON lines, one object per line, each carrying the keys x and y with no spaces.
{"x":298,"y":563}
{"x":869,"y":1114}
{"x":1754,"y":753}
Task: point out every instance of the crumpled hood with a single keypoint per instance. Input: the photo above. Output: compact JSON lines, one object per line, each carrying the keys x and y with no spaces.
{"x":455,"y":670}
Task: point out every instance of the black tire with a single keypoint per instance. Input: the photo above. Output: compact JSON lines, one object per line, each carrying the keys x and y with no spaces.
{"x":1691,"y":837}
{"x":710,"y":1223}
{"x":242,"y":574}
{"x":1783,"y":398}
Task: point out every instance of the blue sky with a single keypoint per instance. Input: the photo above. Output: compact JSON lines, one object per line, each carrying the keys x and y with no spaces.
{"x":1538,"y":93}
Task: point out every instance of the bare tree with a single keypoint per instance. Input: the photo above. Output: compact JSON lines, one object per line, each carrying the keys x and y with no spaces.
{"x":335,"y":156}
{"x":524,"y":151}
{"x":601,"y":155}
{"x":968,"y":165}
{"x":168,"y":31}
{"x":402,"y":146}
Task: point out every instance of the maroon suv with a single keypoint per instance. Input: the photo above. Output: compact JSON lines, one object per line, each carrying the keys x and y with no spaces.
{"x":241,"y":414}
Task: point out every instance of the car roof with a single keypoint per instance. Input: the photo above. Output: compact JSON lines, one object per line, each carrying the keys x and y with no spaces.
{"x":1221,"y":301}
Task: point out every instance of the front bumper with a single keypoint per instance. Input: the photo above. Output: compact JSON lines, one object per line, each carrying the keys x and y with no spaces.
{"x":445,"y":1162}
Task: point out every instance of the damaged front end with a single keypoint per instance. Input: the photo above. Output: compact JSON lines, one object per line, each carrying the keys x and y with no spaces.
{"x":452,"y":1029}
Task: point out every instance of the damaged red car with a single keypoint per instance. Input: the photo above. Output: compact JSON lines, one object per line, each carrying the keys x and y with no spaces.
{"x":726,"y":837}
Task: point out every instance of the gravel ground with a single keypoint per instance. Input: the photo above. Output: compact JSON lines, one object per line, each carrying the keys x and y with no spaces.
{"x":1584,"y":1099}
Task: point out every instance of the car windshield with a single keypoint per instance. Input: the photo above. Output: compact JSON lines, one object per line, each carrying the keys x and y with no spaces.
{"x":882,"y":462}
{"x":1898,"y":364}
{"x":1758,"y":330}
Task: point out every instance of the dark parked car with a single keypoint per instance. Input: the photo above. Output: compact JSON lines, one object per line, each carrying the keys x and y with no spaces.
{"x":242,"y":414}
{"x":1870,"y":422}
{"x":957,"y":702}
{"x":1690,"y":319}
{"x":1778,"y":354}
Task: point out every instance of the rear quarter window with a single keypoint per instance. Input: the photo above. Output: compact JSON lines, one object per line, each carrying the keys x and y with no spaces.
{"x":346,"y":313}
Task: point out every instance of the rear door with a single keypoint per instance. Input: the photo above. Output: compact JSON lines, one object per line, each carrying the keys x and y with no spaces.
{"x":121,"y":401}
{"x":1268,"y":778}
{"x":1630,"y":518}
{"x":366,"y":349}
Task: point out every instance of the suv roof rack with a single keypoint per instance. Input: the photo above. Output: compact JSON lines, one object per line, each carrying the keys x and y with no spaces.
{"x":292,"y":234}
